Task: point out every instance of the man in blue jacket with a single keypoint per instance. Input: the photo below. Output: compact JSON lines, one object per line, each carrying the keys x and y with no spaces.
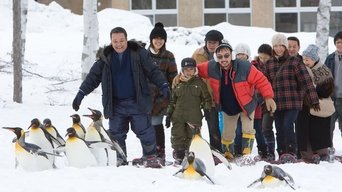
{"x":124,"y":70}
{"x":334,"y":62}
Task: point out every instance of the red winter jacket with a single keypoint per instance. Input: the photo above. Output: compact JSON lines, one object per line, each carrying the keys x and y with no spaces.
{"x":245,"y":78}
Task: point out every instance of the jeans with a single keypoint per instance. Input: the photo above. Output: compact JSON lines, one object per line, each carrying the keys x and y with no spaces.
{"x":286,"y":138}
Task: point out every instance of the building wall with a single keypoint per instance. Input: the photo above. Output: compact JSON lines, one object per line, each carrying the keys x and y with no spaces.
{"x":120,"y":4}
{"x":190,"y":13}
{"x":262,"y":13}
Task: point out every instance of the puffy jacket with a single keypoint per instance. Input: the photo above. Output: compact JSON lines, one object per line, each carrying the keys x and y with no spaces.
{"x":245,"y":78}
{"x":143,"y":71}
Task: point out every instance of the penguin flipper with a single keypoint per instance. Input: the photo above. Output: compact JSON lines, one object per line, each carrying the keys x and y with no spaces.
{"x":179,"y":171}
{"x":208,"y":178}
{"x":254,"y":182}
{"x":220,"y":156}
{"x":200,"y":169}
{"x":118,"y":149}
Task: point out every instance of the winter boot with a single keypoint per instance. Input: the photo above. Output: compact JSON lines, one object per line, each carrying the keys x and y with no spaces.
{"x":228,"y":149}
{"x":178,"y":155}
{"x":262,"y":152}
{"x":247,"y":143}
{"x":148,"y":161}
{"x":237,"y":150}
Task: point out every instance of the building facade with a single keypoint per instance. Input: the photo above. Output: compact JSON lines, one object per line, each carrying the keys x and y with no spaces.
{"x":281,"y":15}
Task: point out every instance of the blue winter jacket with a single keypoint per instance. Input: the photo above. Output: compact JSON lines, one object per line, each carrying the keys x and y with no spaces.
{"x":143,"y":70}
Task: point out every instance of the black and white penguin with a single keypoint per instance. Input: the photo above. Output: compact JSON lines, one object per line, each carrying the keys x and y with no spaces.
{"x":77,"y":125}
{"x":47,"y":125}
{"x":193,"y":168}
{"x":27,"y":155}
{"x":273,"y":176}
{"x":77,"y":151}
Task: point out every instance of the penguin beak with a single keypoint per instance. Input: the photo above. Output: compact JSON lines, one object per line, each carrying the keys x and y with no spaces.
{"x":90,"y":116}
{"x":9,"y":128}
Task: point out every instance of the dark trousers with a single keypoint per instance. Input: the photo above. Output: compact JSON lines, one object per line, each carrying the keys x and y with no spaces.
{"x":267,"y":131}
{"x":127,"y":113}
{"x":286,"y":138}
{"x":336,"y":116}
{"x":214,"y":130}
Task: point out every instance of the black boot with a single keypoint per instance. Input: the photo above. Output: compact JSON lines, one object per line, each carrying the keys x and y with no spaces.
{"x":178,"y":155}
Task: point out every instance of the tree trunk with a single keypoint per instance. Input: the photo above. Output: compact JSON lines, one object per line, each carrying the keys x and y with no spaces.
{"x":322,"y":35}
{"x":18,"y":44}
{"x":91,"y":35}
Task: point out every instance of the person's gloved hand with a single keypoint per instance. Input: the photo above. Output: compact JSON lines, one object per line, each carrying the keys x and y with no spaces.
{"x":165,"y":90}
{"x":77,"y":101}
{"x":270,"y":105}
{"x":168,"y":121}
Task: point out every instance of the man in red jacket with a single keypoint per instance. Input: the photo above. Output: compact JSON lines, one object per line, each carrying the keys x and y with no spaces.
{"x":234,"y":83}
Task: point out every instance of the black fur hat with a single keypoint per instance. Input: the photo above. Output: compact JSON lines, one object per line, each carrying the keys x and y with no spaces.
{"x":158,"y":31}
{"x":214,"y":35}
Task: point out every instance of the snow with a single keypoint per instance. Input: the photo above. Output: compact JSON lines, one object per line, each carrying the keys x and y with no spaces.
{"x":51,"y":80}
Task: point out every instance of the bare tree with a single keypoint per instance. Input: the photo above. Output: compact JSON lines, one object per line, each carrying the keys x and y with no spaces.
{"x":91,"y":35}
{"x":322,"y":35}
{"x":18,"y":44}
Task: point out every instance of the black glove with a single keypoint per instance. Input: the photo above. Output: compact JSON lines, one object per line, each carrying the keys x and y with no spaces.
{"x":77,"y":101}
{"x":165,"y":90}
{"x":168,"y":121}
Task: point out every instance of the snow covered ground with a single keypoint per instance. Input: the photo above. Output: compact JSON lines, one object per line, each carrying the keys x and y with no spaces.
{"x":51,"y":80}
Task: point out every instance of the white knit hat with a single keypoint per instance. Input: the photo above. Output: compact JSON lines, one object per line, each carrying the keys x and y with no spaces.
{"x":280,"y":39}
{"x":242,"y":48}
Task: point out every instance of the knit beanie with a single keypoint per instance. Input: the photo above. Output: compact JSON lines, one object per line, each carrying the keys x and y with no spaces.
{"x":266,"y":49}
{"x":158,"y":31}
{"x":280,"y":39}
{"x":213,"y":35}
{"x":312,"y":52}
{"x":242,"y":48}
{"x":188,"y":62}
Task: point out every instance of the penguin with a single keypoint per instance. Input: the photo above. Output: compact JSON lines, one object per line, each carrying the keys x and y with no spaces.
{"x":53,"y":131}
{"x":39,"y":136}
{"x":193,"y":168}
{"x":96,"y":132}
{"x":273,"y":176}
{"x":77,"y":151}
{"x":205,"y":151}
{"x":29,"y":156}
{"x":77,"y":125}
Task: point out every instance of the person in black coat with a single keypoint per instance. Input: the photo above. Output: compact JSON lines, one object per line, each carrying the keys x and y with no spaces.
{"x":124,"y":70}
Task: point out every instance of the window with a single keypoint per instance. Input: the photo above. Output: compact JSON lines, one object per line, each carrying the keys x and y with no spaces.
{"x":239,"y":4}
{"x":285,"y":3}
{"x":309,"y":3}
{"x":286,"y":22}
{"x":335,"y":23}
{"x":214,"y":18}
{"x":240,"y":19}
{"x":164,"y":11}
{"x":237,"y":12}
{"x":141,"y":4}
{"x":308,"y":21}
{"x":214,"y":3}
{"x":336,"y":3}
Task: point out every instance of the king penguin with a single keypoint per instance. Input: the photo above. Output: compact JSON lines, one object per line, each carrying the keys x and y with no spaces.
{"x":204,"y":151}
{"x":29,"y":156}
{"x":77,"y":151}
{"x":193,"y":168}
{"x":96,"y":132}
{"x":77,"y":125}
{"x":273,"y":176}
{"x":53,"y":131}
{"x":42,"y":138}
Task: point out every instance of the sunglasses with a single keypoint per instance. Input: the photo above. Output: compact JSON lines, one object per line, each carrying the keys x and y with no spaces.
{"x":221,"y":56}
